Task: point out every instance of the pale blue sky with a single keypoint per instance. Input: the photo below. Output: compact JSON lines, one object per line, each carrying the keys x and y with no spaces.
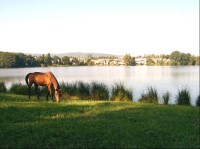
{"x":103,"y":26}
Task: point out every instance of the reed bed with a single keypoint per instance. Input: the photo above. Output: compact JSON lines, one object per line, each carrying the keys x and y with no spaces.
{"x":80,"y":90}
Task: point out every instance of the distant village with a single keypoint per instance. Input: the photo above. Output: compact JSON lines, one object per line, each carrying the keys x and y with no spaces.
{"x":116,"y":61}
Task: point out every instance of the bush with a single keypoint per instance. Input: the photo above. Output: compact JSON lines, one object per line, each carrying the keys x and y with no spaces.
{"x":166,"y":98}
{"x":2,"y":87}
{"x":183,"y":97}
{"x":120,"y":93}
{"x":99,"y":91}
{"x":18,"y":88}
{"x":150,"y":97}
{"x":198,"y":101}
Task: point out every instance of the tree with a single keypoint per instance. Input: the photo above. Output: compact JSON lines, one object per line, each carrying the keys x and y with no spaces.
{"x":89,"y":62}
{"x":178,"y":58}
{"x":47,"y":60}
{"x":197,"y":60}
{"x":56,"y":60}
{"x":128,"y":60}
{"x":150,"y":62}
{"x":89,"y":56}
{"x":30,"y":61}
{"x":175,"y":58}
{"x":20,"y":59}
{"x":40,"y":60}
{"x":75,"y":61}
{"x":7,"y":60}
{"x":66,"y":60}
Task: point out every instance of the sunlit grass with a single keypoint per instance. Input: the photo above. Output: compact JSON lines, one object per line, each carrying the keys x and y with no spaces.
{"x":95,"y":124}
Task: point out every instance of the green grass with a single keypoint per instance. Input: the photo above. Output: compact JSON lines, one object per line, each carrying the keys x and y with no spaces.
{"x":101,"y":124}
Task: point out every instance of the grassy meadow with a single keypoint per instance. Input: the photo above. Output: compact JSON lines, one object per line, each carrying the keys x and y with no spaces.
{"x":36,"y":123}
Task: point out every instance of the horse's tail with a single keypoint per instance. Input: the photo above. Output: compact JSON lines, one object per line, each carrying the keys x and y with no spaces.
{"x":26,"y":78}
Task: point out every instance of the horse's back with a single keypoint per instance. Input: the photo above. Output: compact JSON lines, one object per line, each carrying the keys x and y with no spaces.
{"x":40,"y":78}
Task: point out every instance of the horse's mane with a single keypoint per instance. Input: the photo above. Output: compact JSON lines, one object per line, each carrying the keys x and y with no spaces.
{"x":52,"y":75}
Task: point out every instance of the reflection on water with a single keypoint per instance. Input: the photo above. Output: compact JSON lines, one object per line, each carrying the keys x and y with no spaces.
{"x":138,"y":78}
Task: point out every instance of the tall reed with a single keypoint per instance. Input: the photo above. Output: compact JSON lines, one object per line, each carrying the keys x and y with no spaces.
{"x":183,"y":97}
{"x":99,"y":91}
{"x":166,"y":98}
{"x":18,"y":88}
{"x":198,"y":101}
{"x":120,"y":93}
{"x":3,"y":88}
{"x":83,"y":89}
{"x":151,"y":96}
{"x":68,"y":88}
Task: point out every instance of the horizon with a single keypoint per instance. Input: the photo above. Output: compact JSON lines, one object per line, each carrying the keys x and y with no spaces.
{"x":118,"y":27}
{"x":96,"y":53}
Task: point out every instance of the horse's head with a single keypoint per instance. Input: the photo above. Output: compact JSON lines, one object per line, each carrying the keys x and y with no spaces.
{"x":58,"y":94}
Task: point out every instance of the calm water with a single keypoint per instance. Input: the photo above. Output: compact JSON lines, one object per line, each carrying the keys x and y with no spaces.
{"x":137,"y":78}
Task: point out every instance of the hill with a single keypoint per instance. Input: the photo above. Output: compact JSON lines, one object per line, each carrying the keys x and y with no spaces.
{"x":82,"y":54}
{"x":77,"y":54}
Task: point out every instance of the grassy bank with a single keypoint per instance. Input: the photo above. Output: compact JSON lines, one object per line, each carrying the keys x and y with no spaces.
{"x":100,"y":124}
{"x":80,"y":90}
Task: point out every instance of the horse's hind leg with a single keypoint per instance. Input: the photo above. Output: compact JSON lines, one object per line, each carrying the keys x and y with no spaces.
{"x":36,"y":90}
{"x":29,"y":90}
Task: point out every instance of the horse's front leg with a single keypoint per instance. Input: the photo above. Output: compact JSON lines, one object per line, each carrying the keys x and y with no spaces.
{"x":50,"y":92}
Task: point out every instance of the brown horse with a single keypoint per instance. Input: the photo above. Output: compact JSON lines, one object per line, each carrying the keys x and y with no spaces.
{"x":43,"y":79}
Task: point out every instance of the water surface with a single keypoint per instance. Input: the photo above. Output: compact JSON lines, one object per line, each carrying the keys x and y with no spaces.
{"x":137,"y":78}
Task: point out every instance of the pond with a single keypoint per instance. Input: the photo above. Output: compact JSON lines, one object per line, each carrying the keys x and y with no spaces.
{"x":137,"y":78}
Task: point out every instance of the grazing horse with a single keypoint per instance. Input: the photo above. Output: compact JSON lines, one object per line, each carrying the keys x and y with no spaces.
{"x":43,"y":79}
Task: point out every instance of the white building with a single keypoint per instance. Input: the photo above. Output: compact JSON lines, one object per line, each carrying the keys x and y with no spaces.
{"x":141,"y":61}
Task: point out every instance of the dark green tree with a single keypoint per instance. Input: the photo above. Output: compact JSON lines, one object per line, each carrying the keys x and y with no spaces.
{"x":20,"y":59}
{"x":66,"y":60}
{"x":56,"y":60}
{"x":47,"y":60}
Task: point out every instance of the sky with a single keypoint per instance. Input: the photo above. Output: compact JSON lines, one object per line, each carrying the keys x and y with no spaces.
{"x":135,"y":27}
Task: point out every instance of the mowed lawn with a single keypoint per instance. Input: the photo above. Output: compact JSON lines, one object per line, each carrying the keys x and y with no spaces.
{"x":95,"y":124}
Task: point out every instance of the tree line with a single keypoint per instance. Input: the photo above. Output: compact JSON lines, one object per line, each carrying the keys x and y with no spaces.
{"x":17,"y":60}
{"x":176,"y":58}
